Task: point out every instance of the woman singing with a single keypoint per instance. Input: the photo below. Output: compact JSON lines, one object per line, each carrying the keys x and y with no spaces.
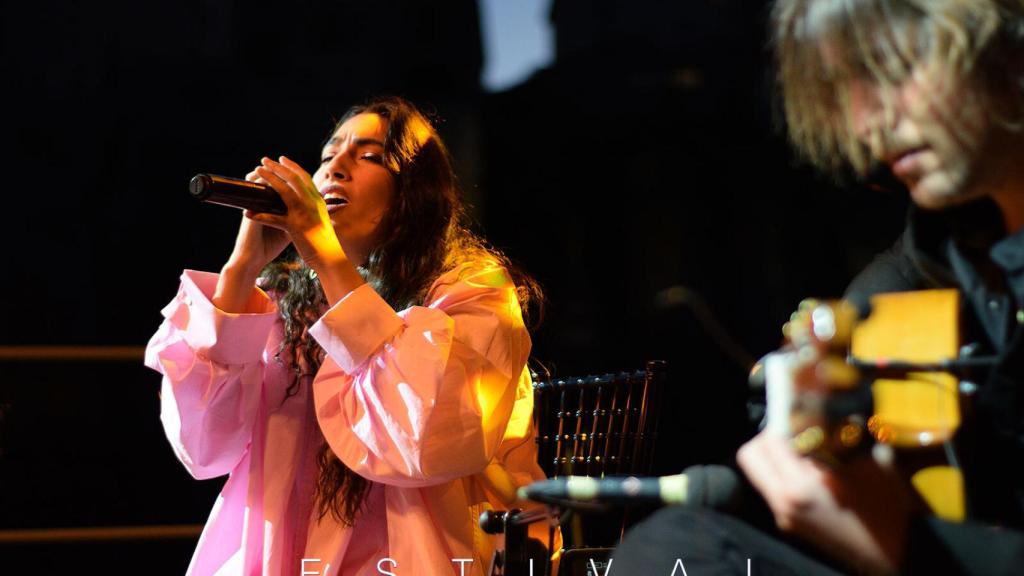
{"x":370,"y":397}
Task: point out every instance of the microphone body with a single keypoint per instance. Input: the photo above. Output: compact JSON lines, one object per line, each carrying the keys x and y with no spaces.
{"x":712,"y":486}
{"x":236,"y":193}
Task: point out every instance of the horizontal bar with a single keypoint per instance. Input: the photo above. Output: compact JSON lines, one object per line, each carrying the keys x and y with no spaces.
{"x":100,"y":533}
{"x":72,"y":353}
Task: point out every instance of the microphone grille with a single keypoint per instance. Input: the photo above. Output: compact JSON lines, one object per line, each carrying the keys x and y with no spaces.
{"x":713,"y":486}
{"x":199,"y":186}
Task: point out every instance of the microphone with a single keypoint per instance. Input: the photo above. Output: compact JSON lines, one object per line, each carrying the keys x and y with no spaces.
{"x":711,"y":486}
{"x":236,"y":193}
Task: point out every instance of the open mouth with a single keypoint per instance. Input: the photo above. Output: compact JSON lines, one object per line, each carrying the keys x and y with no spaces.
{"x":335,"y":203}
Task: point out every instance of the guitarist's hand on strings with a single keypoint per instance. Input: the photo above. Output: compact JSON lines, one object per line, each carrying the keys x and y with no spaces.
{"x":857,"y":513}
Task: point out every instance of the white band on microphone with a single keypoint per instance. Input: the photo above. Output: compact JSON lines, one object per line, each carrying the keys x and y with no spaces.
{"x":581,"y":487}
{"x":673,"y":488}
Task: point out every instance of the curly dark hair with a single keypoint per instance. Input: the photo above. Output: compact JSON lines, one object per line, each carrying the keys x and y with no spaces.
{"x":425,"y":235}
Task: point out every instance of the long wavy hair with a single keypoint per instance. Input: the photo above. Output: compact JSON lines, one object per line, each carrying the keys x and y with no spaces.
{"x":976,"y":44}
{"x":425,"y":234}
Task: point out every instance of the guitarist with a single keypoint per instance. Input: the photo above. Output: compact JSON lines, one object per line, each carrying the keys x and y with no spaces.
{"x":933,"y":93}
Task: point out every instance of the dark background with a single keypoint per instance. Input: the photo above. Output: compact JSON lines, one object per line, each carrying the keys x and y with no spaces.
{"x":645,"y":157}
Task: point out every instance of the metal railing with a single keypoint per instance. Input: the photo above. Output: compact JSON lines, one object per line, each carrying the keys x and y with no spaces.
{"x":100,"y":534}
{"x":71,"y":353}
{"x":90,"y":533}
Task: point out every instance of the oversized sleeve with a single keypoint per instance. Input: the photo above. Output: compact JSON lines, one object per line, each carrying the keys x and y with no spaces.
{"x":423,"y":396}
{"x":212,"y":369}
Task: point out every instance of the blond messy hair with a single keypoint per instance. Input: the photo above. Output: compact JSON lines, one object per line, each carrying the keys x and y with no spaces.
{"x":822,"y":47}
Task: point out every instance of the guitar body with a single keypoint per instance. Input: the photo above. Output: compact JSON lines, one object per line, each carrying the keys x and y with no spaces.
{"x":916,"y":415}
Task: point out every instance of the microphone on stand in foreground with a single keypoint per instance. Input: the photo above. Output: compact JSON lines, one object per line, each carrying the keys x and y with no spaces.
{"x":709,"y":486}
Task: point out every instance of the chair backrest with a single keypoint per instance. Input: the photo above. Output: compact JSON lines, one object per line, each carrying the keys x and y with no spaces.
{"x":599,"y":425}
{"x":586,"y":426}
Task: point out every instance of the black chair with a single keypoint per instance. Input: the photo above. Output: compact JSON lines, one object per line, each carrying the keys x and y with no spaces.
{"x":597,"y":426}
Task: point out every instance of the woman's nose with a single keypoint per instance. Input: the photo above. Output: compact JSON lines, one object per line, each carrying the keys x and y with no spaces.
{"x":336,"y":168}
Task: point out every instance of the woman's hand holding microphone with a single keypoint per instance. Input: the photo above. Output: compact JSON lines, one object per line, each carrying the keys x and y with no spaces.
{"x":263,"y":236}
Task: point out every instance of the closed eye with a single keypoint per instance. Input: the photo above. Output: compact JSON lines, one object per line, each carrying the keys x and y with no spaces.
{"x":375,"y":158}
{"x":326,"y":159}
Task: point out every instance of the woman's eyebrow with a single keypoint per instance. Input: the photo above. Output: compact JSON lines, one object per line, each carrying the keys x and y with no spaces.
{"x":357,"y":142}
{"x":368,"y":142}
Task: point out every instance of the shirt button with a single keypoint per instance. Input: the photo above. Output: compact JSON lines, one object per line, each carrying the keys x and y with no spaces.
{"x":993,"y":305}
{"x":1020,"y":316}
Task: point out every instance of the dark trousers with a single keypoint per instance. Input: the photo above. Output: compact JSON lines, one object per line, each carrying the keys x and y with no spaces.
{"x":701,"y":542}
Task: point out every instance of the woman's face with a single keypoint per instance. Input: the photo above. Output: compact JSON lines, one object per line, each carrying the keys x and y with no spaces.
{"x":355,"y":184}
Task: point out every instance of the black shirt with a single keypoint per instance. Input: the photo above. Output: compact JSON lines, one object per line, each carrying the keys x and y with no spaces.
{"x":967,"y":248}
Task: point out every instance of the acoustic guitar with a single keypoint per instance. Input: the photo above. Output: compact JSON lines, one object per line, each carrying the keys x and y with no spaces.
{"x":843,"y":386}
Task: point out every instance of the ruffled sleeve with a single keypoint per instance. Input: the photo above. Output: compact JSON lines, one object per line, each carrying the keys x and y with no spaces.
{"x":212,"y":366}
{"x":423,"y":396}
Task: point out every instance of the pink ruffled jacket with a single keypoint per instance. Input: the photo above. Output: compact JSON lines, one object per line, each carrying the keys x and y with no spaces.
{"x":433,"y":404}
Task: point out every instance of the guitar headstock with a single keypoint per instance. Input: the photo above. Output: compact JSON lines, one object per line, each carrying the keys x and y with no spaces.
{"x":827,"y":404}
{"x":843,"y":385}
{"x":822,"y":324}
